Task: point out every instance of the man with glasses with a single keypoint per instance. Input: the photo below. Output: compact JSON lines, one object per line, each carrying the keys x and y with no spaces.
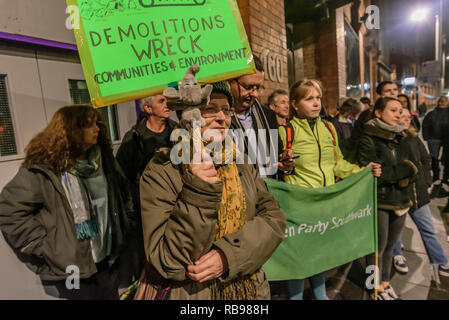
{"x":249,"y":116}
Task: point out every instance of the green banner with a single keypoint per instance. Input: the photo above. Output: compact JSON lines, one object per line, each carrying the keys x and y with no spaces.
{"x":130,"y":49}
{"x":326,"y":227}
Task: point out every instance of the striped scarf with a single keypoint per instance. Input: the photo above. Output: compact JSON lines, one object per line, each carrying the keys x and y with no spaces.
{"x":86,"y":222}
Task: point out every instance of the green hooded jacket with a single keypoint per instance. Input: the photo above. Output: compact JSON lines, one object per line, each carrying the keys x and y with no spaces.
{"x":319,"y":160}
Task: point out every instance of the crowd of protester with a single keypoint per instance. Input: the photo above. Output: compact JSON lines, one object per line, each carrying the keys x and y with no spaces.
{"x":149,"y":228}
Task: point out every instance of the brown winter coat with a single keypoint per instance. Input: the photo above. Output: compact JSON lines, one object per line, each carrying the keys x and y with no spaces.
{"x":179,"y":217}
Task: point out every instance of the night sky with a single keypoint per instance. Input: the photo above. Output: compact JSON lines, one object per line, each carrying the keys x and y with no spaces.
{"x":407,"y":37}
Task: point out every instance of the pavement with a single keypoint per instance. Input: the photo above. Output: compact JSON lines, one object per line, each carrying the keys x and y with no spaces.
{"x":422,"y":282}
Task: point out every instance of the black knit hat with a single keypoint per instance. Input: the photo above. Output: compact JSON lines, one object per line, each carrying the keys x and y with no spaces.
{"x":223,"y":87}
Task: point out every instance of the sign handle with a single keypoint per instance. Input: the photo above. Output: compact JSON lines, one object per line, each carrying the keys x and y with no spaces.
{"x":376,"y":275}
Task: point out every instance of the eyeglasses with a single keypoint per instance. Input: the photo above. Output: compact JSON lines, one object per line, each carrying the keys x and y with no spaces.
{"x":250,"y":88}
{"x":212,"y":111}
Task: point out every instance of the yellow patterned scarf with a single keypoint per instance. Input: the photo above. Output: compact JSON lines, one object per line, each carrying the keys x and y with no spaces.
{"x":231,"y":218}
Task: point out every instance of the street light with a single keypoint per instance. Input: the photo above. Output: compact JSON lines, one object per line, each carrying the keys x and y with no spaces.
{"x":419,"y":15}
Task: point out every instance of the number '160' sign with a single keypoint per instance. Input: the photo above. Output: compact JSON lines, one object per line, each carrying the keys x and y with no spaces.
{"x":273,"y":66}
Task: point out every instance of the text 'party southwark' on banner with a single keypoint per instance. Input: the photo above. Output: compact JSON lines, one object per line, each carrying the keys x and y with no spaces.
{"x":134,"y":48}
{"x":326,"y":227}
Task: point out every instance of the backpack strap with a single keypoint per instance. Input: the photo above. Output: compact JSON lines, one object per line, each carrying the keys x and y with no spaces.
{"x":334,"y":137}
{"x":290,"y":134}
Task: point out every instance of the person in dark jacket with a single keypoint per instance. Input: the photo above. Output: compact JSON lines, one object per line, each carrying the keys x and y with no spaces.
{"x":279,"y":102}
{"x":422,"y":109}
{"x":384,"y":89}
{"x":380,"y":143}
{"x":405,"y":101}
{"x":143,"y":140}
{"x":136,"y":150}
{"x":434,"y":128}
{"x":69,"y":206}
{"x":413,"y":149}
{"x":344,"y":123}
{"x":366,"y":103}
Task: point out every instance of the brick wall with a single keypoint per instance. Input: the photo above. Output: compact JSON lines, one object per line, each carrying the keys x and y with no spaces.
{"x":265,"y":26}
{"x":324,"y":56}
{"x":332,"y":61}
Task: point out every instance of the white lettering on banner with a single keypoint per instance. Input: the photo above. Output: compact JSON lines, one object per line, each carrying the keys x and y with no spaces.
{"x":322,"y":226}
{"x":362,"y":213}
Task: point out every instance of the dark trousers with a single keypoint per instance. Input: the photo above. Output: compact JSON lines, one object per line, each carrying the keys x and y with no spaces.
{"x":434,"y":150}
{"x":101,"y":286}
{"x":389,"y":228}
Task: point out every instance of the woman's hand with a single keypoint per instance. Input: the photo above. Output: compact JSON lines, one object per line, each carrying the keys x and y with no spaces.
{"x":204,"y":168}
{"x":210,"y":266}
{"x":286,"y":165}
{"x":377,"y":169}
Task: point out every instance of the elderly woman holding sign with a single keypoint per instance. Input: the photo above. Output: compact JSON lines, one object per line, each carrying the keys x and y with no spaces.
{"x":208,"y":227}
{"x":318,"y":158}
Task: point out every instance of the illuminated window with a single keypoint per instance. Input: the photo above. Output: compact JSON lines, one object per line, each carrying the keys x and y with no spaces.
{"x":8,"y":144}
{"x":354,"y":86}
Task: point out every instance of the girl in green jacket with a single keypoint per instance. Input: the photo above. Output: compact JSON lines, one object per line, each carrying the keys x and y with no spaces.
{"x":320,"y":159}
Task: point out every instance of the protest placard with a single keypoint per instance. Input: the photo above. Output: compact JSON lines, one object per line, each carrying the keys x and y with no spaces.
{"x":131,"y":49}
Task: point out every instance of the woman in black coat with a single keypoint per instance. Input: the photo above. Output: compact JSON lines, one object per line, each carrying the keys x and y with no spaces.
{"x":380,"y":143}
{"x":405,"y":101}
{"x":413,"y":149}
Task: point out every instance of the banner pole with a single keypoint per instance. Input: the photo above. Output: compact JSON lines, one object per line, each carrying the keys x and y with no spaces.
{"x":376,"y":276}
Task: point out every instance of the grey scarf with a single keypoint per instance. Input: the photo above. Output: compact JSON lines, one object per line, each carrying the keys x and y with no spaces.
{"x":382,"y":125}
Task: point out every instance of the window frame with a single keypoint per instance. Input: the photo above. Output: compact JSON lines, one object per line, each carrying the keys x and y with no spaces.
{"x":20,"y":154}
{"x":117,"y":121}
{"x":347,"y":23}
